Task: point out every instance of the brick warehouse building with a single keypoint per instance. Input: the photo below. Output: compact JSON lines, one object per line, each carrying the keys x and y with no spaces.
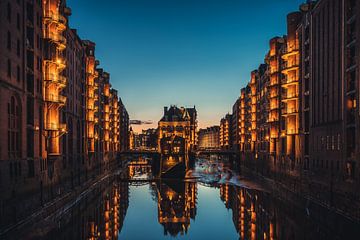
{"x":304,"y":126}
{"x":49,"y":100}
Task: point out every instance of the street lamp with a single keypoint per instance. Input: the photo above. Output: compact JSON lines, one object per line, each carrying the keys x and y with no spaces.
{"x":61,"y":131}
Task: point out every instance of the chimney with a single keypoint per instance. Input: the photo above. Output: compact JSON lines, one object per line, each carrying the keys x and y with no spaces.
{"x":165,"y":110}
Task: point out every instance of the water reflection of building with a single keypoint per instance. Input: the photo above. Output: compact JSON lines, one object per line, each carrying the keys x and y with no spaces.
{"x":256,"y":215}
{"x":107,"y":217}
{"x":98,"y":215}
{"x":139,"y":169}
{"x":176,"y":206}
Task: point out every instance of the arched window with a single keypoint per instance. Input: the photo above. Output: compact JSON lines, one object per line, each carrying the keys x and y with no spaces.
{"x":14,"y":138}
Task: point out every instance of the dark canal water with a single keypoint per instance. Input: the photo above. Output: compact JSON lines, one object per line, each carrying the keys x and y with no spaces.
{"x":213,"y":203}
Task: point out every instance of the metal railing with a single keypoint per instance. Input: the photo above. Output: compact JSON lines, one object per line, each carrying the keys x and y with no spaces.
{"x":55,"y":98}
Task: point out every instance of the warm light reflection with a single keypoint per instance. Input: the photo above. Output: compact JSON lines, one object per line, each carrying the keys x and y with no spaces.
{"x":176,"y":206}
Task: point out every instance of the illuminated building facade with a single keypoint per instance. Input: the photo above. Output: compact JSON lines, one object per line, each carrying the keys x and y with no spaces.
{"x":148,"y":139}
{"x":181,"y":122}
{"x":49,"y":96}
{"x":209,"y":138}
{"x":177,"y":140}
{"x":235,"y":126}
{"x":114,"y":123}
{"x":54,"y":81}
{"x":274,"y":62}
{"x":225,"y":132}
{"x":262,"y":117}
{"x":290,"y":84}
{"x":92,"y":109}
{"x":242,"y":120}
{"x":299,"y":116}
{"x":73,"y":147}
{"x":124,"y":127}
{"x":253,"y":110}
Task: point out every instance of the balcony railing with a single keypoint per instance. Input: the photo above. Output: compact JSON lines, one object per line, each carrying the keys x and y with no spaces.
{"x":289,"y":111}
{"x":55,"y":127}
{"x":92,"y":108}
{"x":57,"y":38}
{"x":291,"y":131}
{"x":55,"y":98}
{"x":289,"y":81}
{"x":55,"y":17}
{"x":55,"y":78}
{"x":289,"y":97}
{"x":274,"y":95}
{"x":273,"y":82}
{"x":59,"y":62}
{"x":290,"y":67}
{"x":293,"y":50}
{"x":273,"y":119}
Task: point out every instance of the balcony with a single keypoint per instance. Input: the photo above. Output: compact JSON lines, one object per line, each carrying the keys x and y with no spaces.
{"x":58,"y":62}
{"x":289,"y":111}
{"x":274,"y":108}
{"x":291,"y":131}
{"x":92,"y":108}
{"x":55,"y":127}
{"x":91,"y":119}
{"x":52,"y":98}
{"x":289,"y":81}
{"x":290,"y":67}
{"x":90,"y":84}
{"x":273,"y":119}
{"x":58,"y":19}
{"x":55,"y":79}
{"x":290,"y":97}
{"x":274,"y":95}
{"x":274,"y":70}
{"x":290,"y":53}
{"x":56,"y":38}
{"x":273,"y":82}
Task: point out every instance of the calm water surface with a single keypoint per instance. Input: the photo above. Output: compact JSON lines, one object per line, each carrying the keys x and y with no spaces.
{"x":215,"y":203}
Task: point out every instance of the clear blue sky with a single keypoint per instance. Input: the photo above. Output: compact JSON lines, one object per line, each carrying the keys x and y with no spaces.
{"x":184,"y":52}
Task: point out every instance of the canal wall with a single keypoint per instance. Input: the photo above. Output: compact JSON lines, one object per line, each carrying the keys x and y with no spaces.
{"x":311,"y":196}
{"x":34,"y":205}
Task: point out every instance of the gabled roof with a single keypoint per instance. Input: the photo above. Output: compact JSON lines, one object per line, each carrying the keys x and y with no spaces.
{"x":178,"y":114}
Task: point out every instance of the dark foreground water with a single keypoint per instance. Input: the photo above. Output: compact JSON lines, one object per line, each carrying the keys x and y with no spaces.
{"x":214,"y":203}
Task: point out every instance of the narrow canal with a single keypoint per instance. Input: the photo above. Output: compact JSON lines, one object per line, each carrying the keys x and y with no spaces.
{"x":213,"y":203}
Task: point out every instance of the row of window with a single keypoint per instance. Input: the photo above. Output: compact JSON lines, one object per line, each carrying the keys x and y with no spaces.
{"x":328,"y":143}
{"x":14,"y":137}
{"x":18,"y":70}
{"x":9,"y":14}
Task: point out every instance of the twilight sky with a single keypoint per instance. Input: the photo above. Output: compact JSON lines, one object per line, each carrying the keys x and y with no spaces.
{"x":184,"y":52}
